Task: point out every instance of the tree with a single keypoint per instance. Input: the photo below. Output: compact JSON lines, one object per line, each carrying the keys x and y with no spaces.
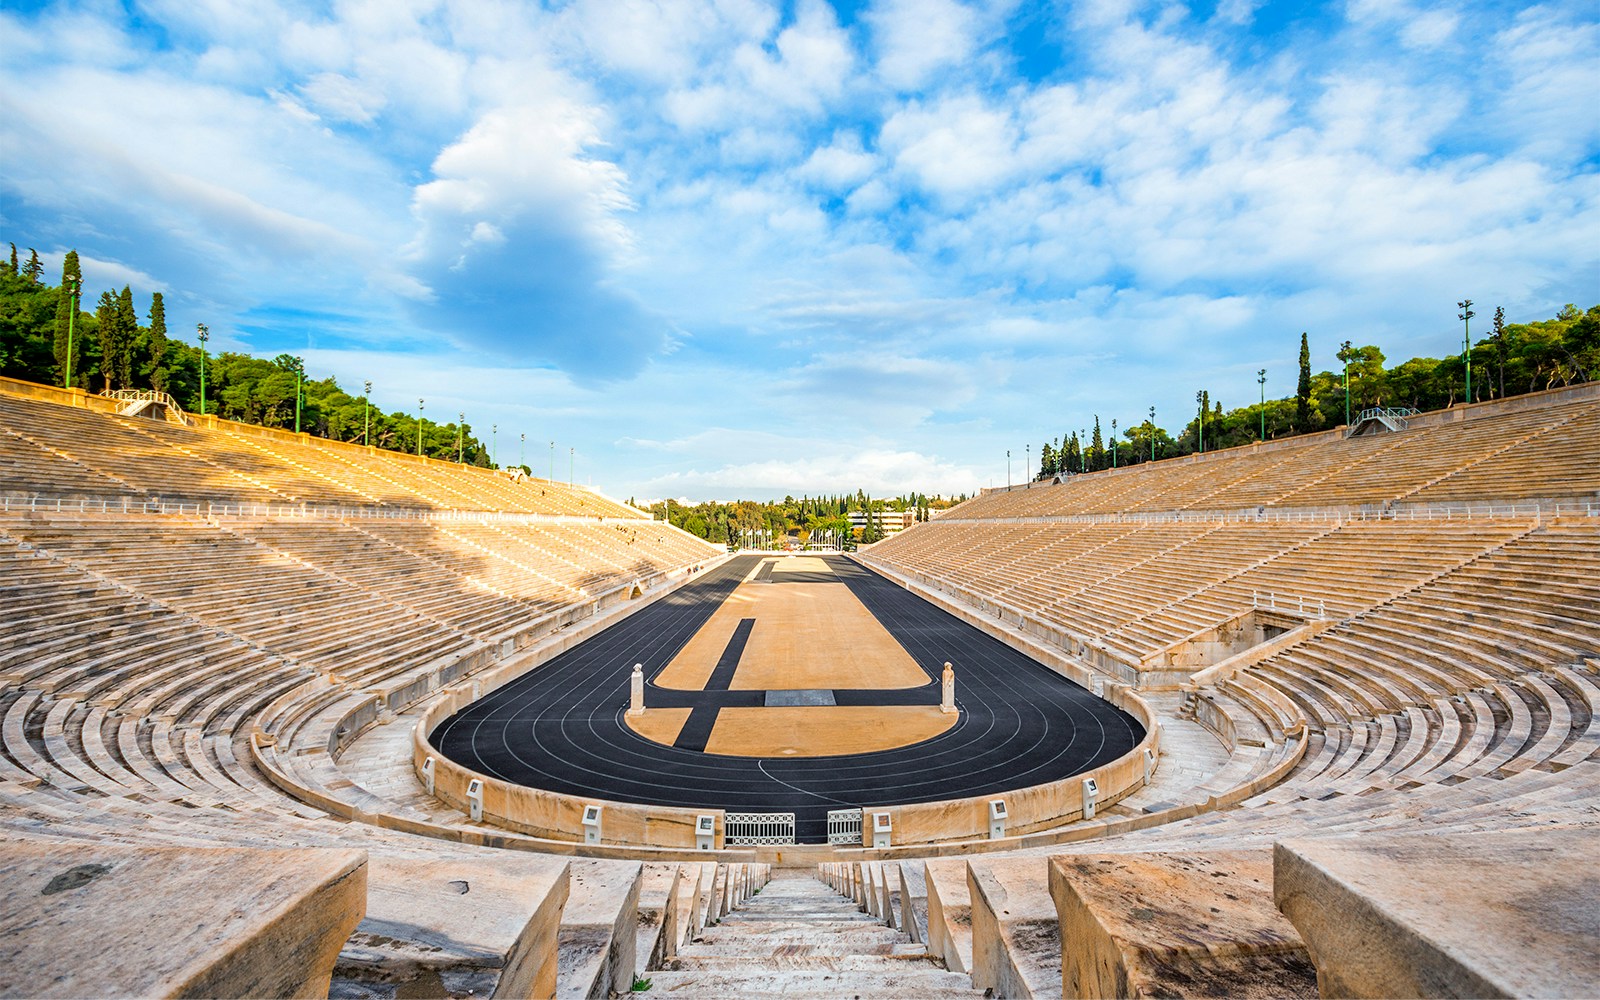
{"x":33,"y":270}
{"x":122,"y":361}
{"x":1500,"y":347}
{"x":67,"y":326}
{"x":1302,"y":391}
{"x":11,"y":268}
{"x":157,"y":351}
{"x":105,"y":315}
{"x":1097,"y":448}
{"x":1047,"y":461}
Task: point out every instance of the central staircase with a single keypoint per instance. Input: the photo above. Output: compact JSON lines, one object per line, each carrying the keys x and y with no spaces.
{"x":798,"y":937}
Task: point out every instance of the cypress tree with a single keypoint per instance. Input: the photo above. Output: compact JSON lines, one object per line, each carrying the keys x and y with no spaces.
{"x":1097,"y":448}
{"x":122,"y":362}
{"x":34,"y":269}
{"x":158,"y":343}
{"x":66,"y":323}
{"x":11,"y":268}
{"x":1500,"y":346}
{"x":109,"y":325}
{"x":1302,"y":390}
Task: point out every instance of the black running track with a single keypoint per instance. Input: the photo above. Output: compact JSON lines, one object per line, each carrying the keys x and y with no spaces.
{"x":560,"y":727}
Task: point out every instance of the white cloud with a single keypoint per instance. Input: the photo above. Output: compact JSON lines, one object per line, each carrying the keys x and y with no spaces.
{"x":917,"y":39}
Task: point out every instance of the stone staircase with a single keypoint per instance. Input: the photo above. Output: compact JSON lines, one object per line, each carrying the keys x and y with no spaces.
{"x":798,"y":937}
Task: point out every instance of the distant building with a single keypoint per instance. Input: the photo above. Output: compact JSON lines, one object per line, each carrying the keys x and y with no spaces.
{"x":889,"y":521}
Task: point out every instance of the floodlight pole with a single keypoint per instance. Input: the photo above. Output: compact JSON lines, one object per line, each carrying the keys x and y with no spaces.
{"x":461,"y":421}
{"x":572,"y":458}
{"x":420,"y":408}
{"x":74,"y":289}
{"x":1008,"y":468}
{"x":1200,"y":401}
{"x":1465,"y":316}
{"x":366,"y":416}
{"x":494,"y":445}
{"x":299,"y":377}
{"x":552,"y":461}
{"x":1345,"y":354}
{"x":1261,"y":379}
{"x":522,"y":450}
{"x":204,"y":334}
{"x":1113,"y":442}
{"x":1152,"y":434}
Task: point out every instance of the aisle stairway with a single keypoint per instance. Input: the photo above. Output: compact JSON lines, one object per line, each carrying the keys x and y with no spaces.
{"x":798,"y":937}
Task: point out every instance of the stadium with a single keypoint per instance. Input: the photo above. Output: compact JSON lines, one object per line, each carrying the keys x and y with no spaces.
{"x":288,"y":716}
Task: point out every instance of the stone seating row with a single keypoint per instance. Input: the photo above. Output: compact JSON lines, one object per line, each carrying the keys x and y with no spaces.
{"x":1453,"y":461}
{"x":54,"y":450}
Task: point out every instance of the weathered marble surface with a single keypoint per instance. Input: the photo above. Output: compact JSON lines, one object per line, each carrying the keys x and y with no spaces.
{"x":1016,"y":946}
{"x":456,"y":927}
{"x":96,"y":920}
{"x":1171,"y":925}
{"x":599,"y":929}
{"x":1429,"y":915}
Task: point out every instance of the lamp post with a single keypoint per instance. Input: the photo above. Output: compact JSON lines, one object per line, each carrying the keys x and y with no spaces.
{"x":1008,"y":468}
{"x":1200,"y":433}
{"x":1113,"y":442}
{"x":552,"y":461}
{"x":1465,"y":316}
{"x":204,"y":334}
{"x":522,"y":450}
{"x":366,"y":416}
{"x":1083,"y":450}
{"x":572,"y":459}
{"x":1027,"y":461}
{"x":494,"y":445}
{"x":420,"y":408}
{"x":1261,"y":380}
{"x":1345,"y":354}
{"x":299,"y":379}
{"x":461,"y":423}
{"x":1152,"y":434}
{"x":74,"y":289}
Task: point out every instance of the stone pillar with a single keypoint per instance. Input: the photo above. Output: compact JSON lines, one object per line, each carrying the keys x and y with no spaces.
{"x":947,"y":704}
{"x":636,"y":695}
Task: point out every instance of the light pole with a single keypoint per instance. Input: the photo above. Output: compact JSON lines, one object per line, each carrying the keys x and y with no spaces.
{"x":1152,"y":434}
{"x":420,"y":408}
{"x":1027,"y":461}
{"x":552,"y":461}
{"x":1345,"y":354}
{"x":494,"y":445}
{"x":522,"y":451}
{"x":204,"y":334}
{"x":1008,"y":468}
{"x":1083,"y":450}
{"x":461,"y":423}
{"x":1261,"y":380}
{"x":366,"y":416}
{"x":1113,"y":442}
{"x":1465,"y":316}
{"x":572,"y":459}
{"x":74,"y":289}
{"x":299,"y":378}
{"x":1200,"y":401}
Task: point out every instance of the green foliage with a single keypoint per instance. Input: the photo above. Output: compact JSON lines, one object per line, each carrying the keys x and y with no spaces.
{"x":640,"y":985}
{"x":111,"y":350}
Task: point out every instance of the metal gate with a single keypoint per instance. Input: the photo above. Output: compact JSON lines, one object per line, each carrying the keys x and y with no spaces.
{"x":758,"y":829}
{"x":844,"y":827}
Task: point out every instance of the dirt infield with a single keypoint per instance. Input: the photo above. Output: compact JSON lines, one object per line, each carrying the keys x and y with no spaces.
{"x":823,"y":731}
{"x":806,"y":635}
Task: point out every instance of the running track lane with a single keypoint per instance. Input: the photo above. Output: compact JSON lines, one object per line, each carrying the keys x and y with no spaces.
{"x":560,"y":727}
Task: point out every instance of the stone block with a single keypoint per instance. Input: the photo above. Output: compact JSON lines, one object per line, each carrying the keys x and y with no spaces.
{"x":456,"y":926}
{"x":1016,"y":947}
{"x":949,"y":912}
{"x":96,"y":920}
{"x":599,"y":929}
{"x":1175,"y":925}
{"x":1446,"y":915}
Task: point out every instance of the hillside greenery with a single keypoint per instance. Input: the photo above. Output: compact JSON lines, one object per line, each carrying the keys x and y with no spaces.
{"x":115,"y":346}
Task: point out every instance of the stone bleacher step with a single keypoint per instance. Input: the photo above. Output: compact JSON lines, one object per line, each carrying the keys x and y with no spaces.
{"x":798,"y":937}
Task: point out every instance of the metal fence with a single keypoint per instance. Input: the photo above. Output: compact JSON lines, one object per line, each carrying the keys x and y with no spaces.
{"x":204,"y":508}
{"x":758,"y":829}
{"x":844,"y":827}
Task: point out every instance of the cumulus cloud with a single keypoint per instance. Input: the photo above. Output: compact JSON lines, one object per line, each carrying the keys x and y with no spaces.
{"x":520,"y":231}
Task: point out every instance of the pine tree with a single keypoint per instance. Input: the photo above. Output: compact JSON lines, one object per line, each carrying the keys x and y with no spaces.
{"x":34,"y":269}
{"x":1500,"y":346}
{"x":11,"y":268}
{"x":1302,"y":390}
{"x":67,"y":326}
{"x":1097,"y":448}
{"x":158,"y":343}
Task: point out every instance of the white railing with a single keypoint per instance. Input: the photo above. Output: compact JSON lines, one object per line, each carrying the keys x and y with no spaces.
{"x":758,"y":829}
{"x":844,"y":827}
{"x":208,"y":508}
{"x":1375,"y":512}
{"x":1270,"y":602}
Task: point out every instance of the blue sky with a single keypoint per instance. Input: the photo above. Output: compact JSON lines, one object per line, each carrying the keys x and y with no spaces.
{"x":732,"y":249}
